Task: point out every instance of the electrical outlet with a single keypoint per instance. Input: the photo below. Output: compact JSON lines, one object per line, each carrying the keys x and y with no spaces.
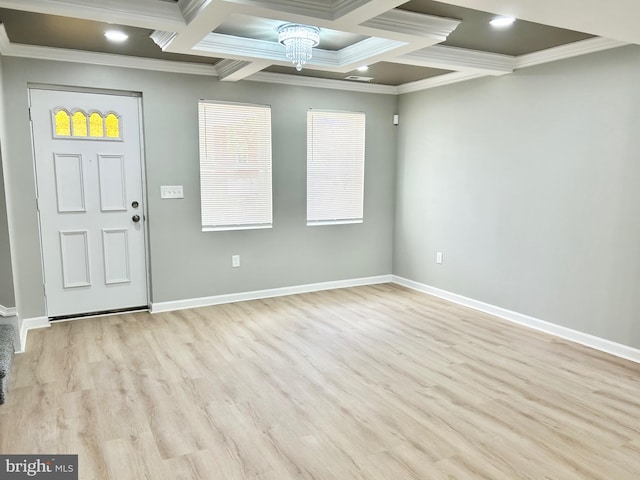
{"x":235,"y":261}
{"x":171,"y":191}
{"x":438,"y":257}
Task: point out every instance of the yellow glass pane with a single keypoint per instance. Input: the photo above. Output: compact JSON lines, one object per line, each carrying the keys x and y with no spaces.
{"x":79,"y":124}
{"x":113,"y":126}
{"x":63,"y":124}
{"x":96,"y":125}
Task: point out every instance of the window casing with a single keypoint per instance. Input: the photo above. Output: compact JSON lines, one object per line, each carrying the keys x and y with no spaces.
{"x":335,"y":167}
{"x":235,"y":166}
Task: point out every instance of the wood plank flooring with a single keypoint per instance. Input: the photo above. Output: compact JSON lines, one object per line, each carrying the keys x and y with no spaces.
{"x":375,"y":382}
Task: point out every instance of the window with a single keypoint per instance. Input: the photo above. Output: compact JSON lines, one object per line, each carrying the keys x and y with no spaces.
{"x":235,"y":166}
{"x":335,"y":167}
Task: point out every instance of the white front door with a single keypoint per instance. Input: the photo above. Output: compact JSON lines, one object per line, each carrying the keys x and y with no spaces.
{"x":90,"y":201}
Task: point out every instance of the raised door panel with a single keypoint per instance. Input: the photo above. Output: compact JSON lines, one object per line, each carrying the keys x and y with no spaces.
{"x":69,"y":182}
{"x":74,"y":249}
{"x":116,"y":255}
{"x":113,"y":184}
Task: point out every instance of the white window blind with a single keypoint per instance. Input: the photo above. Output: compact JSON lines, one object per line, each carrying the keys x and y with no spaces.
{"x":235,"y":166}
{"x":335,"y":167}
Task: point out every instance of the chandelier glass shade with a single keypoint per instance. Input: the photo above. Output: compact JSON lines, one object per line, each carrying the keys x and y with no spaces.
{"x":298,"y":41}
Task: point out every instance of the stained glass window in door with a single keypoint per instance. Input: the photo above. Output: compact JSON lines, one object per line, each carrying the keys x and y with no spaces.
{"x":78,"y":125}
{"x":112,"y":122}
{"x":96,"y":125}
{"x":62,"y":123}
{"x":79,"y":122}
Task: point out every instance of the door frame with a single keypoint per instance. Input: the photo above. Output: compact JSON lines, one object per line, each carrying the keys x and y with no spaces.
{"x":143,"y":174}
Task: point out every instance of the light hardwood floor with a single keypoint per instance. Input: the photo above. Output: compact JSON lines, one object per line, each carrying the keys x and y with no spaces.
{"x":374,"y":382}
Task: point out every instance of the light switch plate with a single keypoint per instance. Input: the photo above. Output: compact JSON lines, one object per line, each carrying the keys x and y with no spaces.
{"x":171,"y":191}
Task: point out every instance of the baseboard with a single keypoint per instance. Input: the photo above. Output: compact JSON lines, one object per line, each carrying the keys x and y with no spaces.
{"x":7,"y":311}
{"x":608,"y":346}
{"x":158,"y":307}
{"x":617,"y":349}
{"x":31,"y":324}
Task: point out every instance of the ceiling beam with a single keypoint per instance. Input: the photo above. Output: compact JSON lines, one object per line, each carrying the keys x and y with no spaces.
{"x":370,"y":50}
{"x":460,"y":59}
{"x":583,"y":47}
{"x":240,"y":48}
{"x":191,"y":8}
{"x":408,"y":26}
{"x":234,"y":70}
{"x":354,"y":12}
{"x":307,"y":8}
{"x":439,"y":81}
{"x":285,"y":79}
{"x":203,"y":16}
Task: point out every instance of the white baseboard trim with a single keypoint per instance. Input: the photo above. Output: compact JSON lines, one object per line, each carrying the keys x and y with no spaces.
{"x":31,"y":324}
{"x":608,"y":346}
{"x":7,"y":311}
{"x":617,"y":349}
{"x":259,"y":294}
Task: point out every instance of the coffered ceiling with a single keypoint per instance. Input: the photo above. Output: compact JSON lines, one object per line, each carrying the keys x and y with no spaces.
{"x":408,"y":45}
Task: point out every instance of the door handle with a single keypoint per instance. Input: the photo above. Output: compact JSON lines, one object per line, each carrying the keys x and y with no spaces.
{"x":135,"y":218}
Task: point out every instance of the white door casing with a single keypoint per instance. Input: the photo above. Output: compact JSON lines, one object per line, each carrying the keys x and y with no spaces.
{"x":93,"y":249}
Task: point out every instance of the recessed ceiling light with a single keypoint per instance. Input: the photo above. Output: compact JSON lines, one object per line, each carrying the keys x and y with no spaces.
{"x":116,"y":36}
{"x":363,"y":68}
{"x":502,"y":21}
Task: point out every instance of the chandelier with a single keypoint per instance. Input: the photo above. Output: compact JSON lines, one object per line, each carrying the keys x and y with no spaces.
{"x":298,"y":40}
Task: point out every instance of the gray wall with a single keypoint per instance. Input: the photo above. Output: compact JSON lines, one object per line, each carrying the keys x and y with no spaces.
{"x":6,"y":276}
{"x":185,"y":262}
{"x":7,"y":298}
{"x":529,"y":185}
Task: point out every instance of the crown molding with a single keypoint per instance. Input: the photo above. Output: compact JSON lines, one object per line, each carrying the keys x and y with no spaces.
{"x":191,"y":8}
{"x":460,"y":59}
{"x":141,"y":13}
{"x":307,"y":8}
{"x":240,"y":48}
{"x":439,"y":81}
{"x":364,"y":50}
{"x":470,"y":64}
{"x":355,"y":12}
{"x":300,"y":81}
{"x":413,"y":24}
{"x":9,"y":49}
{"x":340,"y":8}
{"x":575,"y":49}
{"x":327,"y":10}
{"x":227,"y":67}
{"x":105,"y":59}
{"x":248,"y":49}
{"x":582,"y":47}
{"x":5,"y":43}
{"x":234,"y":70}
{"x":162,"y":38}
